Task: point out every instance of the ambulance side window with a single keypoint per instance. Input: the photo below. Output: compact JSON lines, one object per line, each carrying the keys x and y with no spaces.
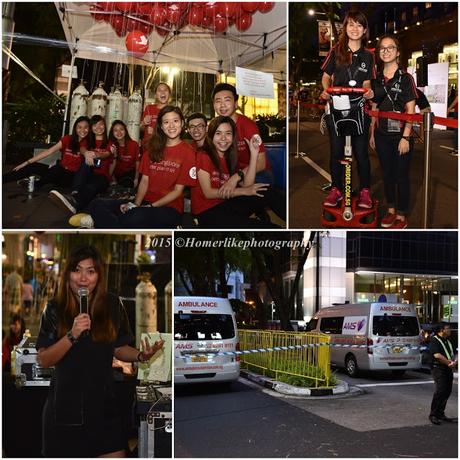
{"x":311,"y":326}
{"x":332,"y":325}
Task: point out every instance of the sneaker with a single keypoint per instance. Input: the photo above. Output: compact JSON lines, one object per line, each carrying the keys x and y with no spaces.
{"x":333,"y":198}
{"x":365,"y":200}
{"x":82,"y":220}
{"x":399,"y":224}
{"x":66,"y":202}
{"x":388,"y":220}
{"x":434,"y":420}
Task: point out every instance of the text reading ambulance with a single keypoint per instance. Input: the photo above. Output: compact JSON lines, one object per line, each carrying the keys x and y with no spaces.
{"x":203,"y":327}
{"x":387,"y":332}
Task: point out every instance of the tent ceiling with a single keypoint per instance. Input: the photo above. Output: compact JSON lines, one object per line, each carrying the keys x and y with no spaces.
{"x":262,"y":47}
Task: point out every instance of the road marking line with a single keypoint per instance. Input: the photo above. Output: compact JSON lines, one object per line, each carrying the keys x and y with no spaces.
{"x":392,"y":384}
{"x":315,"y":166}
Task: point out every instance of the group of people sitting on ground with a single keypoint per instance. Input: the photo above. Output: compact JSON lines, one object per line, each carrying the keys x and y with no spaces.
{"x":225,"y":167}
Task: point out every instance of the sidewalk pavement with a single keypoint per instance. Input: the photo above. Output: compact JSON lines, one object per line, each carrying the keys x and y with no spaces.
{"x":306,"y":196}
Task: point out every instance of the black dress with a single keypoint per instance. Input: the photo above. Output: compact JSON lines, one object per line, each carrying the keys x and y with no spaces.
{"x":81,"y":416}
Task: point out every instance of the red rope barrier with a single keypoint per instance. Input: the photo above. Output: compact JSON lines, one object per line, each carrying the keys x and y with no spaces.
{"x":417,"y":117}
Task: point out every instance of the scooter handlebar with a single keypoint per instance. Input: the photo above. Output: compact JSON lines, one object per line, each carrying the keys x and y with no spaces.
{"x":337,"y":90}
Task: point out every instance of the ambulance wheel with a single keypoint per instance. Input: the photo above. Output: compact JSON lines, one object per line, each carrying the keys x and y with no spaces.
{"x":351,"y":366}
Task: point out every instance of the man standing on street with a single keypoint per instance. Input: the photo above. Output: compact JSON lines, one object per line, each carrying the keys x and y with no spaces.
{"x":442,"y":353}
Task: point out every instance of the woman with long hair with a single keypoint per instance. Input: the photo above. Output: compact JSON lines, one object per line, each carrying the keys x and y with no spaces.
{"x":216,"y":163}
{"x":349,"y":64}
{"x":167,"y":167}
{"x":80,"y":416}
{"x":93,"y":176}
{"x":125,"y":168}
{"x":395,"y":91}
{"x":71,"y":147}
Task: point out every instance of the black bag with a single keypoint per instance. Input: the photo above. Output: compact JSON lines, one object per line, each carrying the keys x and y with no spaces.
{"x":349,"y":122}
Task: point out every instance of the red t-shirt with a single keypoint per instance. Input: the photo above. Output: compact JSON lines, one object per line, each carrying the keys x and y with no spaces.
{"x":152,"y":110}
{"x":246,"y":128}
{"x":70,"y":160}
{"x":104,"y":168}
{"x":127,"y":155}
{"x":177,"y":167}
{"x":199,"y":202}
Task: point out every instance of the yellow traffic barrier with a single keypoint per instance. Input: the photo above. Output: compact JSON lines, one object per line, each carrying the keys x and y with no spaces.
{"x":309,"y":362}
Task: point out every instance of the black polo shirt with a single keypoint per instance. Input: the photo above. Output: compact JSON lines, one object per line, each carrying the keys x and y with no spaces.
{"x":362,"y":68}
{"x":436,"y":347}
{"x":392,"y":96}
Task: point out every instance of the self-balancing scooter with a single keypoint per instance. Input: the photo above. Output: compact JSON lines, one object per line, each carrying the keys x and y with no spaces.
{"x":348,"y":214}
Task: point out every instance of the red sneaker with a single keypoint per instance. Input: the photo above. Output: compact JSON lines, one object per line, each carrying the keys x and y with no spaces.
{"x":388,"y":220}
{"x":365,"y":200}
{"x":333,"y":198}
{"x":399,"y":224}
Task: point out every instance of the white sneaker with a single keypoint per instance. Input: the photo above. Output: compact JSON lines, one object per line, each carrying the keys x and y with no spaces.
{"x":65,"y":202}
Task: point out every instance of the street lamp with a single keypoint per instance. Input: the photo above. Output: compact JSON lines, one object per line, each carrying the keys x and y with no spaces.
{"x":272,"y":304}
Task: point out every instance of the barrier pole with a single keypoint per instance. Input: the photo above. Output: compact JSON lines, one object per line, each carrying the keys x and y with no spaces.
{"x":428,"y":131}
{"x":298,"y":129}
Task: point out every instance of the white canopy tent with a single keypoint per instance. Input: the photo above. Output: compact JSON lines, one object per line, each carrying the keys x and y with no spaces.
{"x":192,"y":48}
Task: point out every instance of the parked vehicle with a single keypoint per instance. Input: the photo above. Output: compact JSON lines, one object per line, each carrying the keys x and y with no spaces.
{"x":203,"y":327}
{"x":383,"y":331}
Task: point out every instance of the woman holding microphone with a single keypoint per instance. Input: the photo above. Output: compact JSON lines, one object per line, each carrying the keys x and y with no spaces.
{"x":80,"y":416}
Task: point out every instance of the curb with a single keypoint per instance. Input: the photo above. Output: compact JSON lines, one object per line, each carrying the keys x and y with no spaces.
{"x":290,"y":390}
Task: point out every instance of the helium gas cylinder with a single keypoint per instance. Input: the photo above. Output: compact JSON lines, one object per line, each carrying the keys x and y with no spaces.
{"x":146,"y":307}
{"x":79,"y":104}
{"x":98,"y":102}
{"x":134,"y":114}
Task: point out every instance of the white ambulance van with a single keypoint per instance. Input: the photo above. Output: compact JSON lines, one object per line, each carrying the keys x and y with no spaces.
{"x":203,"y":327}
{"x":383,"y":330}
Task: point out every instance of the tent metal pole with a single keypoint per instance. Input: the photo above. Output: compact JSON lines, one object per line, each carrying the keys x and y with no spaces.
{"x":69,"y":86}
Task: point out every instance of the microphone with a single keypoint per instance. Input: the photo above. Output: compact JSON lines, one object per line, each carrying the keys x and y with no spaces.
{"x":83,"y":295}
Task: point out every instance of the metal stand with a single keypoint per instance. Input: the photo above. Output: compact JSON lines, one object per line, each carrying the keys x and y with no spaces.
{"x":428,"y":118}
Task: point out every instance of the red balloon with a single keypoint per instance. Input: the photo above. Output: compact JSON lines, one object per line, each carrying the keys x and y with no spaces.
{"x":173,"y":13}
{"x":137,"y":42}
{"x":132,"y":24}
{"x":158,"y":15}
{"x":249,"y":7}
{"x":207,"y":21}
{"x":195,"y":16}
{"x":210,"y":9}
{"x":124,"y":6}
{"x":106,"y":6}
{"x":145,"y":8}
{"x":98,"y":16}
{"x":220,"y":24}
{"x":227,"y":9}
{"x":146,"y":28}
{"x":118,"y":23}
{"x":265,"y":7}
{"x":243,"y":22}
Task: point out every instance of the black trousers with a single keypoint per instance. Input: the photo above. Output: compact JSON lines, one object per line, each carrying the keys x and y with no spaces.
{"x":55,"y":175}
{"x":106,"y":214}
{"x":360,"y":152}
{"x":395,"y":169}
{"x":443,"y":378}
{"x":235,"y":213}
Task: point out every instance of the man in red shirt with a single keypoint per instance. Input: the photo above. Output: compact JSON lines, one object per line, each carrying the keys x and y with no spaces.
{"x":197,"y":128}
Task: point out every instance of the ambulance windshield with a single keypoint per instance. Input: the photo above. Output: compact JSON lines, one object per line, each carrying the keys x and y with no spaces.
{"x":203,"y":327}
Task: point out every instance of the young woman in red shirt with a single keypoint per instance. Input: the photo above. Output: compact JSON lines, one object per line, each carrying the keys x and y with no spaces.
{"x":93,"y":177}
{"x":216,"y":163}
{"x":125,"y":168}
{"x":167,"y":167}
{"x":63,"y":172}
